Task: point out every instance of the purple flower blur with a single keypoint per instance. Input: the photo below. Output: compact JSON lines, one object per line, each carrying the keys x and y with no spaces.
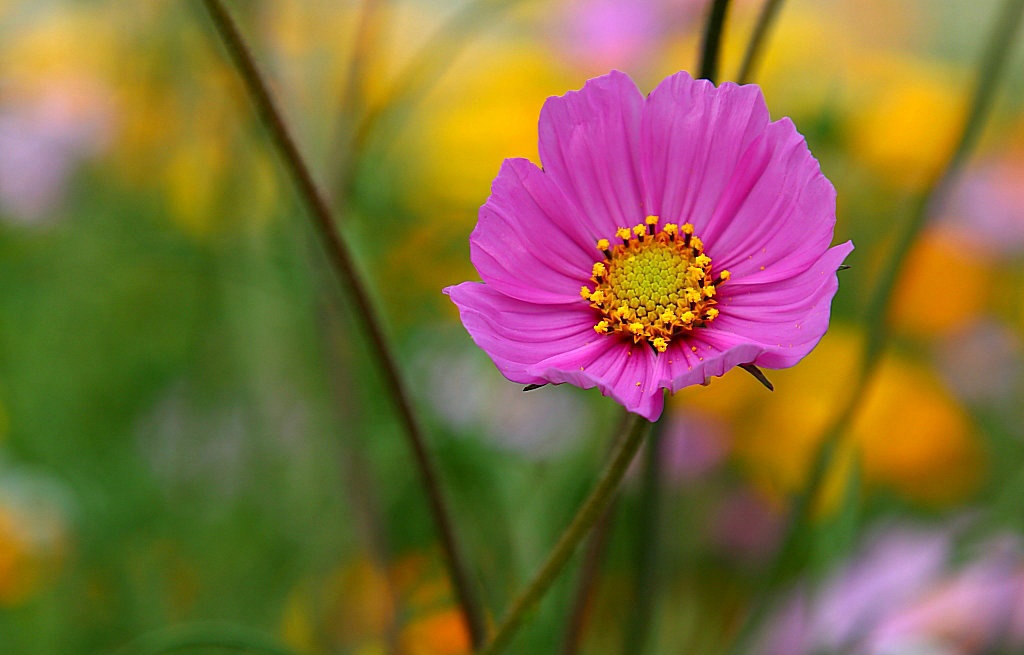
{"x":666,"y":240}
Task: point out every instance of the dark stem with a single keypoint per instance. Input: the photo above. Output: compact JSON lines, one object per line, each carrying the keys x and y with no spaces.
{"x":752,"y":55}
{"x":588,"y":514}
{"x":344,"y":265}
{"x":712,"y":42}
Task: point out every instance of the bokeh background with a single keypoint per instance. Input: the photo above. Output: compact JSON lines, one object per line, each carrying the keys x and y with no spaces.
{"x":191,"y":429}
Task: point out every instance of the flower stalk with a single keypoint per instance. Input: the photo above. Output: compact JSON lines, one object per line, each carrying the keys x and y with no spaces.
{"x":711,"y":44}
{"x":344,"y":265}
{"x":593,"y":508}
{"x":751,"y":56}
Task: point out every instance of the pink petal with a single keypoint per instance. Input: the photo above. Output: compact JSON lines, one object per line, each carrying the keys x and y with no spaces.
{"x":704,"y":355}
{"x":590,"y":146}
{"x":693,"y":136}
{"x":517,"y":334}
{"x":751,"y":188}
{"x":784,"y":318}
{"x":525,"y":244}
{"x":779,"y":213}
{"x":628,"y":373}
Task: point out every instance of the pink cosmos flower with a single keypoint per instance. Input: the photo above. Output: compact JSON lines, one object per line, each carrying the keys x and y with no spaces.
{"x":666,"y":240}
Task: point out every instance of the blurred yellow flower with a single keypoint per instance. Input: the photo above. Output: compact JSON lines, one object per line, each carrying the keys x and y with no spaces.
{"x":909,"y":434}
{"x":484,"y":110}
{"x":939,"y":291}
{"x":33,"y":542}
{"x":908,"y":113}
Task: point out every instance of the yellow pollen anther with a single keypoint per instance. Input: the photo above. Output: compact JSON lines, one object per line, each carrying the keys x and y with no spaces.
{"x":724,"y":275}
{"x":652,"y":287}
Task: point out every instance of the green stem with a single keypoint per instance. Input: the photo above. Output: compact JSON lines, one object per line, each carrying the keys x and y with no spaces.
{"x":424,"y":69}
{"x":591,"y":510}
{"x":645,"y":580}
{"x":712,"y":42}
{"x":343,"y":263}
{"x":205,"y":636}
{"x":990,"y":68}
{"x":769,"y":12}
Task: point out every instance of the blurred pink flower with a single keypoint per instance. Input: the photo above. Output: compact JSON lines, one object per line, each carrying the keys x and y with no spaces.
{"x":987,"y":206}
{"x":901,"y":596}
{"x":469,"y":399}
{"x":744,"y":526}
{"x":666,"y":239}
{"x":602,"y":34}
{"x":984,"y":363}
{"x":694,"y":444}
{"x":42,"y":138}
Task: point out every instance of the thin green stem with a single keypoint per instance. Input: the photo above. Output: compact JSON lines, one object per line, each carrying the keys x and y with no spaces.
{"x":645,"y":580}
{"x":423,"y":70}
{"x":591,"y":510}
{"x":343,"y":263}
{"x":206,"y":636}
{"x":353,"y":100}
{"x":752,"y":55}
{"x":711,"y":44}
{"x":991,"y":66}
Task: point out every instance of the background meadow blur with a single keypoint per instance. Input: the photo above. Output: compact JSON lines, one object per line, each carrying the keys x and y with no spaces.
{"x":190,"y":429}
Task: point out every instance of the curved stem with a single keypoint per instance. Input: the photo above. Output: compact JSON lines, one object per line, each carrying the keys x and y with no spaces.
{"x":712,"y":42}
{"x":591,"y":510}
{"x":341,"y":259}
{"x":205,"y":636}
{"x":769,"y":12}
{"x":990,"y":68}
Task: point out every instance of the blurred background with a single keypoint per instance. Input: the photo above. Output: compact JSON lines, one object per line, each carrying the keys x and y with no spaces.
{"x":191,"y":430}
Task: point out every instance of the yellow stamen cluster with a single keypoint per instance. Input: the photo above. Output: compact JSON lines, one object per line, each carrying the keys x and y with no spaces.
{"x":654,"y":286}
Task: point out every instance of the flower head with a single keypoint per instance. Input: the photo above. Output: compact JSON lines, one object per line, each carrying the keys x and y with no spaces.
{"x":666,"y":240}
